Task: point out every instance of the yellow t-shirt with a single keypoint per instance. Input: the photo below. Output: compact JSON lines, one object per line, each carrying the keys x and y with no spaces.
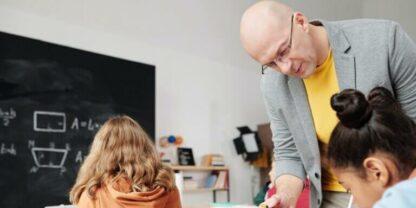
{"x":320,"y":86}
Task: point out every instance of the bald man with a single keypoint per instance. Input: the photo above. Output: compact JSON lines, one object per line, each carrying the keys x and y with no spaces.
{"x":303,"y":64}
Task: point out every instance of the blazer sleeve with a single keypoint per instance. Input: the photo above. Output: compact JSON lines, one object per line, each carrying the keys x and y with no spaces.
{"x":287,"y":157}
{"x":402,"y":64}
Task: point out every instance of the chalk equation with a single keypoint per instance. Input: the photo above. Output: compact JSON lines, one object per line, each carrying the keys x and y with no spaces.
{"x":56,"y":122}
{"x":49,"y":157}
{"x":90,"y":124}
{"x":8,"y":149}
{"x":7,"y":115}
{"x":48,"y":121}
{"x":80,"y":157}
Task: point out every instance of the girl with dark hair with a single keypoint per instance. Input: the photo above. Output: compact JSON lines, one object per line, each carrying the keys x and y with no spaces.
{"x":373,"y":148}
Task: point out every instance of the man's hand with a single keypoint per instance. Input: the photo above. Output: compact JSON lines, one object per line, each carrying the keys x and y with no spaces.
{"x":288,"y":190}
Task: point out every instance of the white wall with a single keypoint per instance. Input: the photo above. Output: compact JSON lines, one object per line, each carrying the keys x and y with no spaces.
{"x":206,"y":84}
{"x":327,"y":9}
{"x":402,"y":11}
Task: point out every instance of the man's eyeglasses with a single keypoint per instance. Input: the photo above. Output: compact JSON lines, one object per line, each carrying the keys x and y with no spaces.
{"x":279,"y":57}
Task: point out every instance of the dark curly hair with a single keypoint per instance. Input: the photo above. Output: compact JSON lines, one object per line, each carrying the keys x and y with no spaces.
{"x":367,"y":125}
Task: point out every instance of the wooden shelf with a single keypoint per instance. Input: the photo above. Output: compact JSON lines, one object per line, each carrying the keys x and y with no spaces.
{"x":205,"y":189}
{"x":221,"y":169}
{"x":198,"y":168}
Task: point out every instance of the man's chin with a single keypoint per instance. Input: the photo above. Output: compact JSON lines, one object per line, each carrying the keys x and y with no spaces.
{"x":306,"y":74}
{"x":302,"y":76}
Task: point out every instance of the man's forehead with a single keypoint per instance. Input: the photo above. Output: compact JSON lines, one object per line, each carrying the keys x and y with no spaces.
{"x":263,"y":35}
{"x":269,"y":47}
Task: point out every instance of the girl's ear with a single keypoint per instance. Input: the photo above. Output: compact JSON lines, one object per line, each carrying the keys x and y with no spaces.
{"x":376,"y":171}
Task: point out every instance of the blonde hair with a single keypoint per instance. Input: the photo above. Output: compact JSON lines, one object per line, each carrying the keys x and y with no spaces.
{"x":121,"y":149}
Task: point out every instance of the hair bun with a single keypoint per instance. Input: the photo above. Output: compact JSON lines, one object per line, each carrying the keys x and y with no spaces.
{"x":352,"y":108}
{"x":381,"y":97}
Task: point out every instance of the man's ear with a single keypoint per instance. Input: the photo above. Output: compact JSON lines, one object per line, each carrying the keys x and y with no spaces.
{"x":301,"y":20}
{"x":376,"y":171}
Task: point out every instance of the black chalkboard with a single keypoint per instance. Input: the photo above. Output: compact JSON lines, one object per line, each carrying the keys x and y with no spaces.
{"x":52,"y":101}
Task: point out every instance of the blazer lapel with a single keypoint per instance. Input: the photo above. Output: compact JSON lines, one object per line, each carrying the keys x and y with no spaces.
{"x":343,"y":58}
{"x":345,"y":69}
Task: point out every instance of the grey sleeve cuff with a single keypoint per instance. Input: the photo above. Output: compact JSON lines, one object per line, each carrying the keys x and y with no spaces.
{"x":290,"y":167}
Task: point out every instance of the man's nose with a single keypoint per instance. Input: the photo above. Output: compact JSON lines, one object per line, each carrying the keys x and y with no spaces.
{"x":286,"y":67}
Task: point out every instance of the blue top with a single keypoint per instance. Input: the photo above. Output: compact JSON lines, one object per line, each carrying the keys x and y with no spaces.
{"x":401,"y":195}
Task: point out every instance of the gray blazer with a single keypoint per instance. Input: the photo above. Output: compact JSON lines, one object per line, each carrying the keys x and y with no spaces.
{"x":367,"y":53}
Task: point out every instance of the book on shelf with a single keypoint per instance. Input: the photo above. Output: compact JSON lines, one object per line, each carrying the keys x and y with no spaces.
{"x":210,"y":181}
{"x":222,"y":180}
{"x":217,"y":163}
{"x":212,"y":160}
